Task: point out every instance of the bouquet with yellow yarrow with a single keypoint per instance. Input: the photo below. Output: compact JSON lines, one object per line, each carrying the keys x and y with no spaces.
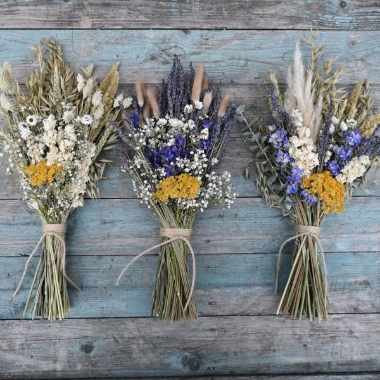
{"x":319,"y":146}
{"x":173,"y":141}
{"x":54,"y":134}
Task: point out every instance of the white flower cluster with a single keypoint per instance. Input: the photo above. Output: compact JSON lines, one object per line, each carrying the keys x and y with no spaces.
{"x":343,"y":126}
{"x":354,"y":169}
{"x":58,"y":141}
{"x":127,"y":102}
{"x":165,"y":136}
{"x":301,"y":147}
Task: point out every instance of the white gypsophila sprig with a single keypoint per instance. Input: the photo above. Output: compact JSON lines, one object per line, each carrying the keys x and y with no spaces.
{"x":156,"y":134}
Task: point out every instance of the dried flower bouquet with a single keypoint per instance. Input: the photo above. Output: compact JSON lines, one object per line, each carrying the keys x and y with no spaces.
{"x":318,"y":147}
{"x":174,"y":140}
{"x":54,"y":134}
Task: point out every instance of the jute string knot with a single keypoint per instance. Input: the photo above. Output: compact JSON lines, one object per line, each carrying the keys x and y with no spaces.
{"x":57,"y":230}
{"x":172,"y":234}
{"x":302,"y":230}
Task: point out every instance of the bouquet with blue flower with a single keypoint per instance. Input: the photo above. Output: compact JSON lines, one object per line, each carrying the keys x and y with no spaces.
{"x":173,"y":142}
{"x":318,"y":147}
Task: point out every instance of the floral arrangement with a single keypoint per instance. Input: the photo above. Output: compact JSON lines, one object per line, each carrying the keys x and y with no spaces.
{"x":318,"y":147}
{"x":52,"y":140}
{"x":173,"y":142}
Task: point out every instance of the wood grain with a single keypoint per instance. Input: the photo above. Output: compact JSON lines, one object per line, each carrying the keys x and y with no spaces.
{"x":193,"y":14}
{"x":227,"y":284}
{"x":127,"y":227}
{"x":233,"y":56}
{"x":231,"y":346}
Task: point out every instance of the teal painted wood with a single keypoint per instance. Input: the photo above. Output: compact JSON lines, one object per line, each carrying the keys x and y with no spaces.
{"x":127,"y":227}
{"x":236,"y":249}
{"x":234,"y":56}
{"x":192,"y":14}
{"x":231,"y":346}
{"x":227,"y":284}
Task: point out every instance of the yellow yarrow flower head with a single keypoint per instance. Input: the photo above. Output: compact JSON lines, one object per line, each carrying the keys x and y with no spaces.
{"x":42,"y":173}
{"x":327,"y":189}
{"x":181,"y":186}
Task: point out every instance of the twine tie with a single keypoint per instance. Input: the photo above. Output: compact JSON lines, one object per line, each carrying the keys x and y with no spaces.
{"x":57,"y":230}
{"x":302,"y":230}
{"x":172,"y":234}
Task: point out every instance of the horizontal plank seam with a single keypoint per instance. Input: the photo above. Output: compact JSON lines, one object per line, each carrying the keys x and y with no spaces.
{"x":186,"y":29}
{"x":199,"y":317}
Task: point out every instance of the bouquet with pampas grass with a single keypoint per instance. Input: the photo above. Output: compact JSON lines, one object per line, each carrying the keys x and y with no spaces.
{"x":55,"y":132}
{"x":318,"y":147}
{"x":172,"y":142}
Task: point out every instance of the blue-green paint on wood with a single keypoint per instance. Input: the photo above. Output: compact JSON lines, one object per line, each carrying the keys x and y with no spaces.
{"x":226,"y":284}
{"x":127,"y":227}
{"x":234,"y":56}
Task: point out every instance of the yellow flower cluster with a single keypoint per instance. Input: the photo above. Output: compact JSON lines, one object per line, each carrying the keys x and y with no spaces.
{"x":42,"y":173}
{"x":327,"y":189}
{"x":182,"y":186}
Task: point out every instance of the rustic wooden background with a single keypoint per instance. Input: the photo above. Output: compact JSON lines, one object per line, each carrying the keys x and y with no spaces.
{"x":109,"y":331}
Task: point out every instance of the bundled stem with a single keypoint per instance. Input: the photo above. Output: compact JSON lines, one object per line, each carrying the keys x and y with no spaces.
{"x":51,"y":297}
{"x":172,"y":289}
{"x":306,"y":289}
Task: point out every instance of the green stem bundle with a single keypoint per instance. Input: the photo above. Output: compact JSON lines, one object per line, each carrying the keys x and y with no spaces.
{"x":172,"y":289}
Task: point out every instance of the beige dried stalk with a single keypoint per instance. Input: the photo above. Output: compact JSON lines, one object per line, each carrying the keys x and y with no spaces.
{"x":197,"y":84}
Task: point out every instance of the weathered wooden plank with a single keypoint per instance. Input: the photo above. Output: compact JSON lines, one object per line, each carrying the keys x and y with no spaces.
{"x":194,"y":14}
{"x":228,"y":284}
{"x":234,"y":56}
{"x":343,"y":376}
{"x":126,"y":227}
{"x":218,"y":346}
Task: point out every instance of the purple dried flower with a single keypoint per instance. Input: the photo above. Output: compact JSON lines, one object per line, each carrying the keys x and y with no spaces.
{"x":310,"y":199}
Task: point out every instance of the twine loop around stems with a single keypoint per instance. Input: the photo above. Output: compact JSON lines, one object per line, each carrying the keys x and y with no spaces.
{"x":172,"y":234}
{"x":57,"y":230}
{"x":302,"y":230}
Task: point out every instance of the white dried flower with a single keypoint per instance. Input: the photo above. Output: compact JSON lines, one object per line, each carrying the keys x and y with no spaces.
{"x":198,"y":105}
{"x":68,"y":116}
{"x":353,"y":169}
{"x":334,"y":120}
{"x":351,"y":123}
{"x":118,"y":99}
{"x":24,"y":130}
{"x":127,"y":102}
{"x":332,"y":129}
{"x":343,"y":126}
{"x":189,"y":108}
{"x":86,"y":119}
{"x":31,"y":120}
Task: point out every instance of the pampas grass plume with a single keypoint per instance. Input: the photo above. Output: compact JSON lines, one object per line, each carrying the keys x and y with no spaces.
{"x":206,"y":102}
{"x":140,"y":89}
{"x":223,"y":106}
{"x":153,"y":103}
